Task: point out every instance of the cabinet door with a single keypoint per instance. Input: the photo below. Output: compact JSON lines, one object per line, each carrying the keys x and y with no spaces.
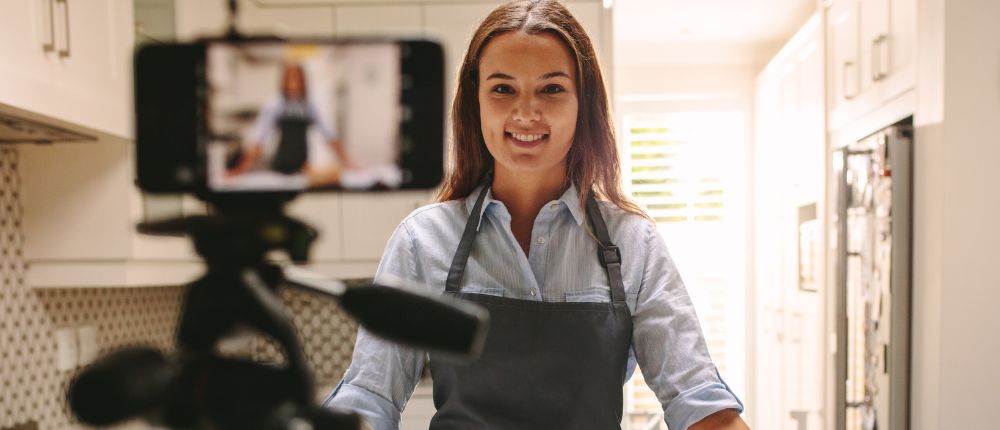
{"x":321,"y":211}
{"x":292,"y":20}
{"x":26,"y":41}
{"x":590,"y":15}
{"x":899,"y":49}
{"x":92,"y":66}
{"x":370,"y":218}
{"x":873,"y":31}
{"x":199,"y":18}
{"x":843,"y":68}
{"x":452,"y":25}
{"x":396,"y":21}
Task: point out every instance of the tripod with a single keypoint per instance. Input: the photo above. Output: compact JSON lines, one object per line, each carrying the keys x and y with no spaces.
{"x":196,"y":387}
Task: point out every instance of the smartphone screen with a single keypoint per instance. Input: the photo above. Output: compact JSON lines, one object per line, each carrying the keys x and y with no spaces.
{"x":285,"y":116}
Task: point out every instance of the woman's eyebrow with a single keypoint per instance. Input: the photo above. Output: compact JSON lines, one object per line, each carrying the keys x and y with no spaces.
{"x":555,"y":74}
{"x":545,"y":76}
{"x":500,"y":76}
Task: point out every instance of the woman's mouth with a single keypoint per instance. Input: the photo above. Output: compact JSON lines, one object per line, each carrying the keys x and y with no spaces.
{"x":526,"y":140}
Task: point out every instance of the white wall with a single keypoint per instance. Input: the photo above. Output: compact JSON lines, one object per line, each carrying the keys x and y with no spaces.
{"x":956,"y":231}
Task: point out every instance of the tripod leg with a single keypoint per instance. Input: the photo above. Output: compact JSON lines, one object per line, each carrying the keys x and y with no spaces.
{"x":268,"y":317}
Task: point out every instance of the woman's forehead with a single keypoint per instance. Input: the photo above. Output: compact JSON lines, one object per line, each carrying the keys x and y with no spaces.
{"x":526,"y":56}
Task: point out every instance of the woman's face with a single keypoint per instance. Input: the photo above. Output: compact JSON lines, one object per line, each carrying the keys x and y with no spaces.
{"x":527,"y":102}
{"x":293,"y":82}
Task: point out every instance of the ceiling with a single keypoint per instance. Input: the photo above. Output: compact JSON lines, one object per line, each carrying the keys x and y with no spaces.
{"x":665,"y":32}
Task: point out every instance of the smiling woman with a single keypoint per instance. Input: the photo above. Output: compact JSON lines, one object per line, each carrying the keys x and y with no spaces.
{"x":574,"y":306}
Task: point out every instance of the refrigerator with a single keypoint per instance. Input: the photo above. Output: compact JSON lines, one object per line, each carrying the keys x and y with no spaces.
{"x":872,"y":226}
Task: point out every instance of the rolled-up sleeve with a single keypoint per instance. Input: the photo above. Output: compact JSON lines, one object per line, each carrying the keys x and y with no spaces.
{"x":382,"y":374}
{"x":669,"y":346}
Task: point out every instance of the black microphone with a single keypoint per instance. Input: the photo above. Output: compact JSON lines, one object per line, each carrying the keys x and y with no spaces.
{"x":437,"y":323}
{"x":125,"y":384}
{"x":441,"y":324}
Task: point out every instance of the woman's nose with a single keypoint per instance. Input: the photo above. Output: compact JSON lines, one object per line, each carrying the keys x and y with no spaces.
{"x":526,"y":110}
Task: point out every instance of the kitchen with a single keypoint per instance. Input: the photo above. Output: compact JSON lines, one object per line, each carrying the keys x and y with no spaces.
{"x":765,"y":99}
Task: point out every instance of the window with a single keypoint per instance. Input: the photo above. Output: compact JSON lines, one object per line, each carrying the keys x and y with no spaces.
{"x":688,"y":170}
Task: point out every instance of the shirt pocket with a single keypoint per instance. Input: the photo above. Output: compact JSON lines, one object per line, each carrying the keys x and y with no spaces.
{"x":589,"y":295}
{"x":486,"y":290}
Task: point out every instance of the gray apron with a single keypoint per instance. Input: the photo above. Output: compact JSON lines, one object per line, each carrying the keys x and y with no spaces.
{"x":545,"y":365}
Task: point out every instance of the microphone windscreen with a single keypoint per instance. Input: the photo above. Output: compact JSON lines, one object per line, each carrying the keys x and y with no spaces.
{"x":440,"y":324}
{"x":119,"y":386}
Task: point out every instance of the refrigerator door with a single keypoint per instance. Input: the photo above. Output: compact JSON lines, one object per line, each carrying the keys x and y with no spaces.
{"x":873,"y":225}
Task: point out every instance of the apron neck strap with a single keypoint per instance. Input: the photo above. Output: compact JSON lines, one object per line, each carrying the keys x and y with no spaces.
{"x":458,"y":263}
{"x":607,"y":252}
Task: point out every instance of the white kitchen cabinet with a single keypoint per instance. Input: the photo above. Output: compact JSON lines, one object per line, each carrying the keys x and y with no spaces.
{"x":369,"y":219}
{"x":323,"y":212}
{"x":198,"y":18}
{"x":383,"y":20}
{"x":872,"y":55}
{"x":788,"y":166}
{"x":298,"y":20}
{"x":843,"y":73}
{"x":79,"y":221}
{"x":69,"y":61}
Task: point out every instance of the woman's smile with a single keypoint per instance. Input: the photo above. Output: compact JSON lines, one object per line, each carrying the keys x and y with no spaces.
{"x":526,"y":139}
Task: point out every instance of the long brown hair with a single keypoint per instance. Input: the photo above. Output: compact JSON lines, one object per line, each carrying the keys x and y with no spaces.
{"x":592,"y":162}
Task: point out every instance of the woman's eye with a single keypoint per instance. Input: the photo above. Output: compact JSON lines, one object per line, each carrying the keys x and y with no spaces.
{"x":553,"y":89}
{"x":503,"y":89}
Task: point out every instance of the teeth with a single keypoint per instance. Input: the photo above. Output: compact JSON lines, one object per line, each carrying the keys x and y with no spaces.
{"x":527,"y":137}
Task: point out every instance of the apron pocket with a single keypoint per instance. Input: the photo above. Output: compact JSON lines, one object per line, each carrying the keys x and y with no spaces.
{"x":589,"y":295}
{"x":483,"y":289}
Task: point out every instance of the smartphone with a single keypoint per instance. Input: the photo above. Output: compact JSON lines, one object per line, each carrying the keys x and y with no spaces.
{"x":267,"y":115}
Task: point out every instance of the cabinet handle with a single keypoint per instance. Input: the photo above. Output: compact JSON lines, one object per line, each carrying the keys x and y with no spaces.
{"x":884,"y":59}
{"x":847,"y":94}
{"x":876,"y":59}
{"x":64,"y":51}
{"x":49,"y":44}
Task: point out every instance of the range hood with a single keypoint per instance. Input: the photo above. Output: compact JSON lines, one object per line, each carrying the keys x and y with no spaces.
{"x":15,"y":129}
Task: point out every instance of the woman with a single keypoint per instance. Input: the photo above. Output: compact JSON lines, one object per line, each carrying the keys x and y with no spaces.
{"x":533,"y":138}
{"x":292,"y":115}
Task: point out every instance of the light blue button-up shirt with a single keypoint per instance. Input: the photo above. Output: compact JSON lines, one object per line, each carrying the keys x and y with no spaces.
{"x":561,"y":265}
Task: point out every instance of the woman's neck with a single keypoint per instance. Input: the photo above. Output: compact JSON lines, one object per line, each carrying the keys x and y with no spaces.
{"x":524,"y":195}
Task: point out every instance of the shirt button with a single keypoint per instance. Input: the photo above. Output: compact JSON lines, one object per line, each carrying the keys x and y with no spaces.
{"x":541,"y":240}
{"x":532,"y":292}
{"x":554,"y":206}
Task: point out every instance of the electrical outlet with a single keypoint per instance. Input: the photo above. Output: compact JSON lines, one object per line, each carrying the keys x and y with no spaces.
{"x":67,"y":352}
{"x":87,"y":336}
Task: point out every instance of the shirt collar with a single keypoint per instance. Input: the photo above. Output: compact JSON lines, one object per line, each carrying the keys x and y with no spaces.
{"x":569,"y":198}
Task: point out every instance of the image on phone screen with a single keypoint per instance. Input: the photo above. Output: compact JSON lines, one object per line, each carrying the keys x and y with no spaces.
{"x":287,"y":117}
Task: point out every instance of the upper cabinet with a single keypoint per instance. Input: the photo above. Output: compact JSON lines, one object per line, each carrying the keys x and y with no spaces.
{"x":871,"y":57}
{"x":68,"y":61}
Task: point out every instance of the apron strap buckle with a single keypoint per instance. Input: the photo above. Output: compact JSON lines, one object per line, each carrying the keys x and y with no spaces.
{"x":609,"y":254}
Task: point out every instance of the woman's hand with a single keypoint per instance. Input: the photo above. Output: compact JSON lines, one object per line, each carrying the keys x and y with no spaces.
{"x":248,"y":159}
{"x":726,"y":419}
{"x":322,"y":175}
